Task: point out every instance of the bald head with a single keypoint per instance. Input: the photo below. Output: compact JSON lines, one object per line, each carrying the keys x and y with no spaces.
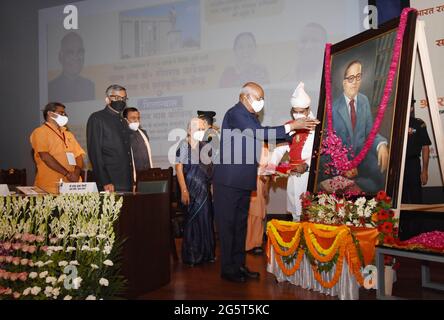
{"x":251,"y":92}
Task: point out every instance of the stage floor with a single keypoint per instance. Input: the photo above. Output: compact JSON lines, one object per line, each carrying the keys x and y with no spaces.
{"x":203,"y":282}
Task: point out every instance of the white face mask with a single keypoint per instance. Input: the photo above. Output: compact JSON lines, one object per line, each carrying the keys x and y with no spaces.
{"x":199,"y":135}
{"x":299,"y":116}
{"x":258,"y":105}
{"x":61,"y":120}
{"x":134,"y":126}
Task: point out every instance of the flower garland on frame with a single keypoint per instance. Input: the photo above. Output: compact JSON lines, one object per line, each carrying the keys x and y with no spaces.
{"x":333,"y":145}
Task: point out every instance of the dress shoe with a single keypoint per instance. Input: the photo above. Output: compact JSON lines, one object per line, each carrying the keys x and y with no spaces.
{"x":249,"y":274}
{"x":233,"y":277}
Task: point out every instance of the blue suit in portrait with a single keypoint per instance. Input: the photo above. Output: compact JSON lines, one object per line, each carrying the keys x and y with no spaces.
{"x":234,"y":179}
{"x":369,"y":178}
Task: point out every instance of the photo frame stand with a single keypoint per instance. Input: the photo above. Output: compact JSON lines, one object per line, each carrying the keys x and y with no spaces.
{"x":421,"y":51}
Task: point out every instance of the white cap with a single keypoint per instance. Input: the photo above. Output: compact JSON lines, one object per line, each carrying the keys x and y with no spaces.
{"x":300,"y":98}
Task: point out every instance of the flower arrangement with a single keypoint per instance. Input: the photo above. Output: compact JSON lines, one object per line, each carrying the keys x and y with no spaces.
{"x":59,"y":247}
{"x":334,"y":209}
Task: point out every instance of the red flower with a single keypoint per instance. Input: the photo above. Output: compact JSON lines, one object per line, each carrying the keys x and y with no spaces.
{"x":383,"y":215}
{"x":389,"y":239}
{"x":381,"y":195}
{"x":386,"y":227}
{"x":306,"y":203}
{"x":388,"y":260}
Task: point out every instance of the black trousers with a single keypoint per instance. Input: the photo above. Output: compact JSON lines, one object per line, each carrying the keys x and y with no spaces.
{"x":231,"y":212}
{"x":412,"y":187}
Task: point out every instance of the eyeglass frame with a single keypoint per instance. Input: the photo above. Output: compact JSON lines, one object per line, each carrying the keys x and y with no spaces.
{"x":351,"y":79}
{"x":114,"y":97}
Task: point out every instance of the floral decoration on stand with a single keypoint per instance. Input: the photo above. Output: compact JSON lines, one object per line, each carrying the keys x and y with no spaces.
{"x":60,"y":247}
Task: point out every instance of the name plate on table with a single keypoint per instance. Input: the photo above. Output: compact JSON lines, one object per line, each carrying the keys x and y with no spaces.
{"x":78,"y":187}
{"x":4,"y":190}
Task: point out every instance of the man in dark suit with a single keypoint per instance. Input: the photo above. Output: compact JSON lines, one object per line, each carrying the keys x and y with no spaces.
{"x":235,"y":175}
{"x":140,"y":144}
{"x":353,"y":121}
{"x":109,"y":144}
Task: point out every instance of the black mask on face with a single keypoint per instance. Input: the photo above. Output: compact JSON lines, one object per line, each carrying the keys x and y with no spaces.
{"x":118,"y":105}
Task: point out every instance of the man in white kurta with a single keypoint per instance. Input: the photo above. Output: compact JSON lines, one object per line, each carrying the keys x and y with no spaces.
{"x":300,"y":150}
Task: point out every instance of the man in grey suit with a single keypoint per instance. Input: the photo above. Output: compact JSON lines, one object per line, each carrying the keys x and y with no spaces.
{"x":353,"y":121}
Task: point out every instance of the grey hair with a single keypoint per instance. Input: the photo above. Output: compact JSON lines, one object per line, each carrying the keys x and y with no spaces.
{"x":114,"y":87}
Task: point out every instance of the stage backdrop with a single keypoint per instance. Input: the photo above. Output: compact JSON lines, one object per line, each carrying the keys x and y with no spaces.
{"x":177,"y":57}
{"x":432,"y":12}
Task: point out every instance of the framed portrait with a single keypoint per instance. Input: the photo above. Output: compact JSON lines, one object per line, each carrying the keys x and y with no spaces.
{"x":359,"y":68}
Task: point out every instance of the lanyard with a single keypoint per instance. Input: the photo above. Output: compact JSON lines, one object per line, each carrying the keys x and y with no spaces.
{"x":58,"y":135}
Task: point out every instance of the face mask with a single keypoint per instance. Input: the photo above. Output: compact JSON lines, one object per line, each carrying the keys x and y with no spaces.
{"x":199,"y":135}
{"x":299,"y":116}
{"x":118,"y":105}
{"x":258,"y":105}
{"x":61,"y":120}
{"x":134,"y":126}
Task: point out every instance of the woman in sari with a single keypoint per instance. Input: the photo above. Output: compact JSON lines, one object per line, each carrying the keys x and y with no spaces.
{"x":194,"y":178}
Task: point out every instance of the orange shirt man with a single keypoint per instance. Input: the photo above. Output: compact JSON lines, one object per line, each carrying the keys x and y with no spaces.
{"x":57,"y":153}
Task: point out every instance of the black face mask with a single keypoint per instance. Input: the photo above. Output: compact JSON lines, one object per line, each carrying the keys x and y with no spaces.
{"x":118,"y":105}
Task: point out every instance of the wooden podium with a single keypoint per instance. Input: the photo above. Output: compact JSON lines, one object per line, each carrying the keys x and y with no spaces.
{"x":144,"y":224}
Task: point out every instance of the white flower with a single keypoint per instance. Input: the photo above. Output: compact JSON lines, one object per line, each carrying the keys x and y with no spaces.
{"x":367,"y":212}
{"x":360,"y":212}
{"x":81,"y":235}
{"x":35,"y":290}
{"x":360,"y":202}
{"x":33,"y":275}
{"x":39,"y":264}
{"x":56,"y":292}
{"x":85,"y":248}
{"x":108,"y":263}
{"x":95,"y":249}
{"x":48,"y":262}
{"x":101,"y":236}
{"x":27,"y":291}
{"x":107,"y":249}
{"x":90,"y":297}
{"x":63,"y":263}
{"x":76,"y":283}
{"x":43,"y":274}
{"x":51,"y":280}
{"x":104,"y":282}
{"x":94,"y":266}
{"x":355,"y":222}
{"x":69,"y":249}
{"x":372,"y":203}
{"x":48,"y":291}
{"x":68,"y":297}
{"x":74,"y":263}
{"x":62,"y":278}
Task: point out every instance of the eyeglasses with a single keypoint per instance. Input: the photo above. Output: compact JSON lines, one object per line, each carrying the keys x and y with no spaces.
{"x":118,"y":98}
{"x":352,"y":78}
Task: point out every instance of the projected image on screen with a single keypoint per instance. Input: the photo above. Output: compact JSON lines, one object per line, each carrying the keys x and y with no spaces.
{"x":160,"y":29}
{"x":70,"y":85}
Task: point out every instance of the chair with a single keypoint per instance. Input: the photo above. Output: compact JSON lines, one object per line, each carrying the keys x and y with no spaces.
{"x":157,"y":180}
{"x":13,"y":177}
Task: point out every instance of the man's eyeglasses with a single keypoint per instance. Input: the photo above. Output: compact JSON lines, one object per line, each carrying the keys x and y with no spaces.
{"x":352,"y":78}
{"x":118,"y":98}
